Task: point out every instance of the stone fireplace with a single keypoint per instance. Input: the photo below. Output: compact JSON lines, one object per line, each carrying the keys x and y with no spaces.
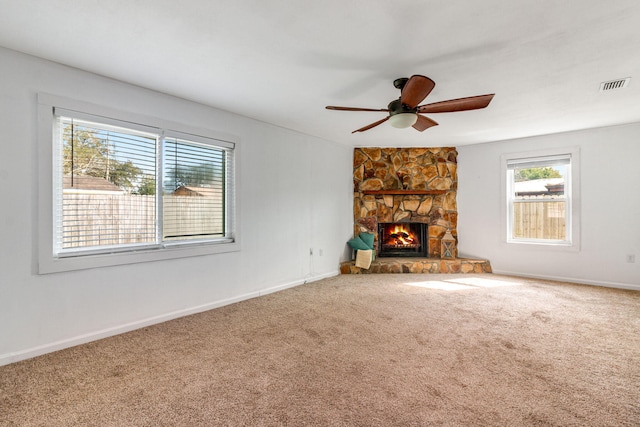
{"x":406,"y":186}
{"x":406,"y":197}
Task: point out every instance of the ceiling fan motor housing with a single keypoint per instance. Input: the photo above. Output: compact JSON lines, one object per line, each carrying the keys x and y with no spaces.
{"x":397,"y":107}
{"x":399,"y":83}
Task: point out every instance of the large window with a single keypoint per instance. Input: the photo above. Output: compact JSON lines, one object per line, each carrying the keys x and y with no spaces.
{"x":540,"y":200}
{"x":127,"y":192}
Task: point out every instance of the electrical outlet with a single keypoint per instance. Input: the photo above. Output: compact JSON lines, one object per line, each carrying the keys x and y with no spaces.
{"x":320,"y":252}
{"x":631,"y":258}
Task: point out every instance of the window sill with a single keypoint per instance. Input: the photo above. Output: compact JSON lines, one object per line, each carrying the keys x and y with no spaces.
{"x":56,"y":265}
{"x":542,"y":245}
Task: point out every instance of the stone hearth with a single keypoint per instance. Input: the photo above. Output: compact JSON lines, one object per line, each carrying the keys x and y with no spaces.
{"x":419,"y":265}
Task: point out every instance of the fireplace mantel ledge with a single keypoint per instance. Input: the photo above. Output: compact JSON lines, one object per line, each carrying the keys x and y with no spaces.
{"x":403,"y":192}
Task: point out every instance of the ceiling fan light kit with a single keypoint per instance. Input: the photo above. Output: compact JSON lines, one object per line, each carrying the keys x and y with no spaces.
{"x":405,"y":111}
{"x":403,"y":120}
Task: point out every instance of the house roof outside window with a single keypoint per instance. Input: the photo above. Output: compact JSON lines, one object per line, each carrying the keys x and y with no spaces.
{"x":540,"y":187}
{"x":89,"y":185}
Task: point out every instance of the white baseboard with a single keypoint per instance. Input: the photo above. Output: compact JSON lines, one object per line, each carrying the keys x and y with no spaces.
{"x":298,"y":282}
{"x":617,"y":285}
{"x":17,"y":356}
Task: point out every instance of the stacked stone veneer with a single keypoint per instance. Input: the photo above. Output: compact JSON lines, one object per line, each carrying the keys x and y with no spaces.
{"x":385,"y":169}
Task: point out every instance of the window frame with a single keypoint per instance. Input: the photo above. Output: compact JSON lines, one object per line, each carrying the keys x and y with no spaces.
{"x":48,"y":261}
{"x":572,"y":198}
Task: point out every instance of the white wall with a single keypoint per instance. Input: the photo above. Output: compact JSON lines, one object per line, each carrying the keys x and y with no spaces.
{"x":609,"y":208}
{"x":295,"y":194}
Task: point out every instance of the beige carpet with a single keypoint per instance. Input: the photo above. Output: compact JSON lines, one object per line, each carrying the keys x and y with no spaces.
{"x":356,"y":350}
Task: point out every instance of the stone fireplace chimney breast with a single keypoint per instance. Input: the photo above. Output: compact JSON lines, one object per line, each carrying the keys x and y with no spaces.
{"x":406,"y":185}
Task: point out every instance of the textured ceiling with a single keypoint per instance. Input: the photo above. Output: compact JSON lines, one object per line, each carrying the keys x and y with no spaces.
{"x":283,"y":61}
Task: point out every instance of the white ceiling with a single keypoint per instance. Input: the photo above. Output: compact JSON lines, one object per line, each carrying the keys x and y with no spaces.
{"x":283,"y":61}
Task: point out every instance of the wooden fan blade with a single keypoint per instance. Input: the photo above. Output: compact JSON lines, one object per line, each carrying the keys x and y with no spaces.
{"x":372,"y":125}
{"x":460,"y":104}
{"x":424,"y":123}
{"x":331,"y":107}
{"x":416,"y":90}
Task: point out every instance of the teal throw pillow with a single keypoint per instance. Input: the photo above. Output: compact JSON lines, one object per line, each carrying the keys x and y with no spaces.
{"x":357,"y":243}
{"x":367,"y":238}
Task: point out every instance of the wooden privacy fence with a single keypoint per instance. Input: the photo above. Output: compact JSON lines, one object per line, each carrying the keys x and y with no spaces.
{"x":539,"y":220}
{"x":118,"y":219}
{"x":193,"y":216}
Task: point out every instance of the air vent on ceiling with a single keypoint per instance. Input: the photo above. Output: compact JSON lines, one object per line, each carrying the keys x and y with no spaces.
{"x":614,"y":84}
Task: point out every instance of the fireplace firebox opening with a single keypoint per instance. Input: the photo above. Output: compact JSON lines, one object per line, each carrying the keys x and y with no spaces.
{"x":397,"y":239}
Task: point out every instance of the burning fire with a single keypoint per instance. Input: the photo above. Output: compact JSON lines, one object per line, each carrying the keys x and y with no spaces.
{"x":400,"y":236}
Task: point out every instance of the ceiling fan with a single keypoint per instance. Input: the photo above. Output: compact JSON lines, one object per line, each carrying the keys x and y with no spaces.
{"x":405,"y":111}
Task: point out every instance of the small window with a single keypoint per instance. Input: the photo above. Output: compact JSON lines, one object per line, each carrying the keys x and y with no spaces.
{"x":123,"y":188}
{"x":540,"y":202}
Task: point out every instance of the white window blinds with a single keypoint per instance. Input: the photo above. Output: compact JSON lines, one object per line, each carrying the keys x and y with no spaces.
{"x":193,"y":190}
{"x":107,"y":187}
{"x":539,"y":162}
